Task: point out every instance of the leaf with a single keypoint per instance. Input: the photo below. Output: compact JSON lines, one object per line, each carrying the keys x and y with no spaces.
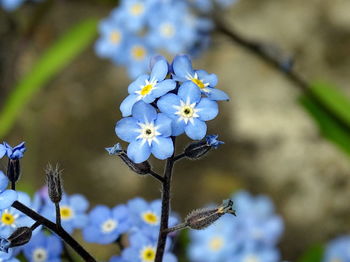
{"x":313,"y":254}
{"x":53,"y":60}
{"x":328,"y":125}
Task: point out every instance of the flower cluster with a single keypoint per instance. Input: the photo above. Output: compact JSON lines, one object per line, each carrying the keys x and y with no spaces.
{"x":252,"y":236}
{"x":137,"y":28}
{"x":338,"y":250}
{"x":172,"y":100}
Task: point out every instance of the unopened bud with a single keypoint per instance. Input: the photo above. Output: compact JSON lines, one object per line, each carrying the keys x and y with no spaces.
{"x":143,"y":168}
{"x":54,"y":183}
{"x":199,"y":149}
{"x":202,"y":218}
{"x":20,"y":237}
{"x":13,"y":170}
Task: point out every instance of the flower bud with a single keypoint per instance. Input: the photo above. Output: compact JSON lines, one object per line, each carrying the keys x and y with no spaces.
{"x":13,"y":170}
{"x":199,"y":149}
{"x":20,"y":237}
{"x":54,"y":183}
{"x":143,"y":168}
{"x":202,"y":218}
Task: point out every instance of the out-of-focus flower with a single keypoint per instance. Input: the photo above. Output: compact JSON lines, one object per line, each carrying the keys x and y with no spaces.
{"x":72,"y":209}
{"x":13,"y":153}
{"x":7,"y":196}
{"x":10,"y":5}
{"x":338,"y":250}
{"x":106,"y":225}
{"x":147,"y":132}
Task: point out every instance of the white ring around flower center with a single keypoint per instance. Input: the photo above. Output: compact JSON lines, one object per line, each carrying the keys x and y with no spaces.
{"x":39,"y":254}
{"x":251,"y":258}
{"x":167,"y":30}
{"x":148,"y":133}
{"x":109,"y":225}
{"x":216,"y":243}
{"x":186,"y":111}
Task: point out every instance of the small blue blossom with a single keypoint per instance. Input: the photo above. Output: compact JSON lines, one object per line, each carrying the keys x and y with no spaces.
{"x":10,"y":5}
{"x":43,"y":247}
{"x":7,"y":196}
{"x":188,"y":110}
{"x":147,"y":132}
{"x":338,"y":250}
{"x":12,"y":152}
{"x":213,"y":141}
{"x":183,"y":71}
{"x":143,"y":248}
{"x":106,"y":225}
{"x":73,"y":212}
{"x":114,"y":150}
{"x":262,"y":254}
{"x":148,"y":87}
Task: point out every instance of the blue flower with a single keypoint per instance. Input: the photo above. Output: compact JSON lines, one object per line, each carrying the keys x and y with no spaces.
{"x":12,"y":152}
{"x":213,"y":141}
{"x":147,"y":132}
{"x":338,"y":250}
{"x":7,"y":196}
{"x":106,"y":225}
{"x":72,"y":209}
{"x":262,"y":254}
{"x":143,"y":248}
{"x":43,"y":247}
{"x":11,"y":5}
{"x":226,"y":3}
{"x":148,"y":87}
{"x":183,"y":71}
{"x":188,"y":110}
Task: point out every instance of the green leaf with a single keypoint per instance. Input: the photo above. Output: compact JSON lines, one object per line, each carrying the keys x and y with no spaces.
{"x":313,"y":254}
{"x":53,"y":60}
{"x":329,"y":126}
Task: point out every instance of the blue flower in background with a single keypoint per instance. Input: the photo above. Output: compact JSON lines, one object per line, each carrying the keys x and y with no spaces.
{"x":43,"y":247}
{"x":12,"y":152}
{"x":183,"y":71}
{"x":263,"y":254}
{"x":226,"y":3}
{"x":147,"y":132}
{"x":188,"y":110}
{"x":106,"y":225}
{"x":10,"y":5}
{"x":148,"y":87}
{"x":73,"y":212}
{"x":143,"y":249}
{"x":7,"y":196}
{"x":338,"y":250}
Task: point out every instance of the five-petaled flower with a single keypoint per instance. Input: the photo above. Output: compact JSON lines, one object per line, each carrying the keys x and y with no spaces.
{"x":147,"y":132}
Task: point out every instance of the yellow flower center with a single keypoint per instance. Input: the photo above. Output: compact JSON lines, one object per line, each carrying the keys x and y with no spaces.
{"x":187,"y":111}
{"x":150,"y":218}
{"x":7,"y":219}
{"x":146,"y":89}
{"x":148,"y":254}
{"x":115,"y":37}
{"x":66,"y":212}
{"x":216,"y":243}
{"x":199,"y":83}
{"x":167,"y":30}
{"x":138,"y":52}
{"x":137,"y":9}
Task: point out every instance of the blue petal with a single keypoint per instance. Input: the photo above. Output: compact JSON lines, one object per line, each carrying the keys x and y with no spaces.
{"x":137,"y":205}
{"x":178,"y":127}
{"x":126,"y":129}
{"x":163,"y":87}
{"x":159,"y":70}
{"x":80,"y":221}
{"x":90,"y":233}
{"x":144,"y":112}
{"x":163,"y":148}
{"x":208,"y":109}
{"x":127,"y":104}
{"x":197,"y":130}
{"x":138,"y":151}
{"x":212,"y":79}
{"x":166,"y":104}
{"x":138,"y":83}
{"x":164,"y":125}
{"x":217,"y":95}
{"x":182,"y":67}
{"x":2,"y":151}
{"x":7,"y":198}
{"x":79,"y":203}
{"x":3,"y":181}
{"x":189,"y":91}
{"x":99,"y":214}
{"x":120,"y":212}
{"x":168,"y":257}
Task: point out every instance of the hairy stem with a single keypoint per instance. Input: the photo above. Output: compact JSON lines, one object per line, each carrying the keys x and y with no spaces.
{"x":57,"y":230}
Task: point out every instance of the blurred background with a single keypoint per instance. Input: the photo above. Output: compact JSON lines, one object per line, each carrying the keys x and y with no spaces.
{"x":272,"y":145}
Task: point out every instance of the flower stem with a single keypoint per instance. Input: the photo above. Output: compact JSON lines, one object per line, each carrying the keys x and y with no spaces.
{"x":54,"y":228}
{"x":58,"y":214}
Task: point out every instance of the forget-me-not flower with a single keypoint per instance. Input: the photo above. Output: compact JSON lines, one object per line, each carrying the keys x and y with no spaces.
{"x":7,"y":196}
{"x":12,"y":152}
{"x":188,"y":110}
{"x":147,"y":132}
{"x":10,"y":5}
{"x":106,"y":225}
{"x":183,"y":71}
{"x":338,"y":250}
{"x":148,"y":87}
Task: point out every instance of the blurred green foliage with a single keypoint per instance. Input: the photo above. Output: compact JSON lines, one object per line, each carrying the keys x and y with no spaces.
{"x":53,"y":60}
{"x":313,"y":254}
